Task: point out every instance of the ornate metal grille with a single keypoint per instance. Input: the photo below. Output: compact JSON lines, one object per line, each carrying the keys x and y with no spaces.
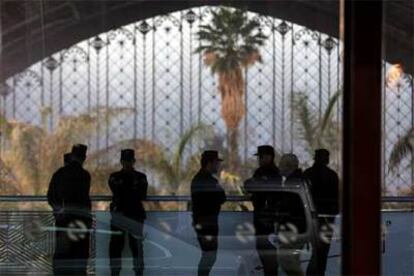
{"x":150,"y":71}
{"x":27,"y":244}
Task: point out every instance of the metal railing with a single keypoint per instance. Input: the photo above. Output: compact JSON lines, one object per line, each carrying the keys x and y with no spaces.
{"x":177,"y":198}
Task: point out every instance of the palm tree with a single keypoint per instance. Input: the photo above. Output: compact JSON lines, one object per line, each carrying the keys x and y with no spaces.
{"x":230,"y":43}
{"x":317,"y":131}
{"x":403,"y":148}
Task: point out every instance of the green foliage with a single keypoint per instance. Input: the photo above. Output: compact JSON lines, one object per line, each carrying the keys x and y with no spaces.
{"x":173,"y":169}
{"x":32,"y":153}
{"x":317,"y":131}
{"x":232,"y":38}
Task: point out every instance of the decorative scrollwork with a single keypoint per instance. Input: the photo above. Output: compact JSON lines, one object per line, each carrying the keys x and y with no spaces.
{"x":29,"y":77}
{"x":121,"y":33}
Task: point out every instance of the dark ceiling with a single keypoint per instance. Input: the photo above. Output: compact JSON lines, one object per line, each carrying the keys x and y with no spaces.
{"x":32,"y":30}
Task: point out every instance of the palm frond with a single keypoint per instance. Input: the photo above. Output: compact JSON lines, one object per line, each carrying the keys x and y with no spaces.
{"x":401,"y":149}
{"x":233,"y":37}
{"x":182,"y":144}
{"x":328,"y":112}
{"x":306,"y":118}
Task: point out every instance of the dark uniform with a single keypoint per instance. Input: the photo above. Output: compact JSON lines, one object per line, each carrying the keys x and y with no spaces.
{"x":68,"y":195}
{"x":66,"y":158}
{"x":291,"y":218}
{"x":324,"y":190}
{"x":290,"y":205}
{"x":207,"y":196}
{"x":260,"y":188}
{"x":129,"y":188}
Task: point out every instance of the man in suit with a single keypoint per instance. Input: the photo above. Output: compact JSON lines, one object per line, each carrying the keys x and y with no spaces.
{"x":207,"y":196}
{"x":68,"y":195}
{"x":129,"y":188}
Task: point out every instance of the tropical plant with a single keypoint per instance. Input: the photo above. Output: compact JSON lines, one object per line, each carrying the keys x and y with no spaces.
{"x":403,"y":148}
{"x":317,"y":131}
{"x":32,"y":153}
{"x":230,"y":43}
{"x":173,"y":171}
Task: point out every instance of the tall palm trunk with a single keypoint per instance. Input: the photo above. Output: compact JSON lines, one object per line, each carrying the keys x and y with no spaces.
{"x":231,"y":86}
{"x":233,"y":142}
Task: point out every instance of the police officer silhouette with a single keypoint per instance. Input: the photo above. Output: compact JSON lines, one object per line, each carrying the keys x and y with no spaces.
{"x":260,"y":187}
{"x":207,"y":196}
{"x":129,"y":188}
{"x":68,"y":195}
{"x":325,"y":189}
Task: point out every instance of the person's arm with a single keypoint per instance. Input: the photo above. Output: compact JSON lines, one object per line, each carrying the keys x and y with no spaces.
{"x":88,"y":189}
{"x":52,"y":195}
{"x":113,"y":185}
{"x":144,"y":192}
{"x":248,"y":187}
{"x":335,"y":194}
{"x":222,"y":196}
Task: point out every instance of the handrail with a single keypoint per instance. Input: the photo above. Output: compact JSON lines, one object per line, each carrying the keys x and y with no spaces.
{"x":175,"y":198}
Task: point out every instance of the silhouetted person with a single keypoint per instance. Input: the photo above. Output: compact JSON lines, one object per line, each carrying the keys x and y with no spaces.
{"x":66,"y":159}
{"x":68,"y":195}
{"x":292,"y":211}
{"x":129,"y":188}
{"x":207,"y":197}
{"x":324,"y":190}
{"x":260,"y":188}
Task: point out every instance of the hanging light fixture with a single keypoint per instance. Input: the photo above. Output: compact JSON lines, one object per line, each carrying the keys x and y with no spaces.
{"x":144,"y":27}
{"x":282,"y":28}
{"x":51,"y":63}
{"x":190,"y":16}
{"x":97,"y":43}
{"x":329,"y":43}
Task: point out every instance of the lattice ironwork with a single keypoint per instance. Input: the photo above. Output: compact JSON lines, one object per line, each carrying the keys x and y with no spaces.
{"x":149,"y":71}
{"x":27,"y":244}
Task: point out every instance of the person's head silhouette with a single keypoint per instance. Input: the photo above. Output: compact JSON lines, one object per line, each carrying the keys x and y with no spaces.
{"x":78,"y":153}
{"x":321,"y":157}
{"x":288,"y":164}
{"x":128,"y":159}
{"x":265,"y":155}
{"x":210,"y":161}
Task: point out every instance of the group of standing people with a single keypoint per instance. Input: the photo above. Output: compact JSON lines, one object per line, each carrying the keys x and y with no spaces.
{"x":68,"y":195}
{"x":208,"y":196}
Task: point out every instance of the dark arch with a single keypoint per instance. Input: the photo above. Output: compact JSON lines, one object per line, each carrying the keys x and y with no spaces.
{"x":69,"y":22}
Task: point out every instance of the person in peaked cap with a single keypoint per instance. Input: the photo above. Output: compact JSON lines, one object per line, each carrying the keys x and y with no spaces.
{"x":207,"y":196}
{"x":129,"y":188}
{"x":260,"y":189}
{"x":324,"y":189}
{"x":68,"y":195}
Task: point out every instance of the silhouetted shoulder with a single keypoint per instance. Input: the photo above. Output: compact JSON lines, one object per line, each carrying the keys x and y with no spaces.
{"x":59,"y":171}
{"x":267,"y":173}
{"x":308,"y":171}
{"x":140,"y":174}
{"x":332,"y":172}
{"x":115,"y":174}
{"x":86,"y":173}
